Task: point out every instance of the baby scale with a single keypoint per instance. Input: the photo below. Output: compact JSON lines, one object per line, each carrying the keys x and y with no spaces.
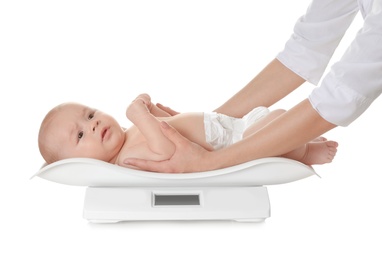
{"x":115,"y":193}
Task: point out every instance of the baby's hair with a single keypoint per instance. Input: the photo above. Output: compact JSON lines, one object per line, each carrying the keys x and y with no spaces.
{"x":47,"y":149}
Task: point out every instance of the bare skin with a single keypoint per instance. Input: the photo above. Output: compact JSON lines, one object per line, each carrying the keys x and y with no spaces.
{"x":74,"y":130}
{"x":295,"y":128}
{"x":317,"y":151}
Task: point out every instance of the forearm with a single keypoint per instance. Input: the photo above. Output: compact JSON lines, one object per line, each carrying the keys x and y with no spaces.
{"x":269,"y":86}
{"x":296,"y":127}
{"x":149,"y":126}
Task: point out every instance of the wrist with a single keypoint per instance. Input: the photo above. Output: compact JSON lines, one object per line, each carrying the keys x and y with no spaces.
{"x":137,"y":109}
{"x":222,"y":158}
{"x":211,"y":161}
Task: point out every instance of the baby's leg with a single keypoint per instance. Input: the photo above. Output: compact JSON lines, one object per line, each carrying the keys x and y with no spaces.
{"x":191,"y":126}
{"x":318,"y":151}
{"x":315,"y":152}
{"x":262,"y":122}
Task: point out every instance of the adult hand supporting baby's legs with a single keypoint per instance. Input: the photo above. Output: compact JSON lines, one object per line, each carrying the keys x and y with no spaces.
{"x":188,"y":156}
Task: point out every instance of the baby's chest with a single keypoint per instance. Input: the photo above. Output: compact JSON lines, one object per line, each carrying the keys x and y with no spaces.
{"x":136,"y":146}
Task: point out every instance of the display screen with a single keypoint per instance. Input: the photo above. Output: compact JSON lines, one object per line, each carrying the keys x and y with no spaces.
{"x":176,"y":200}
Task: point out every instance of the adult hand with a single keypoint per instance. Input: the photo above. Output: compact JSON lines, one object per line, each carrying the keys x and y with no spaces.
{"x":188,"y":156}
{"x":167,"y":110}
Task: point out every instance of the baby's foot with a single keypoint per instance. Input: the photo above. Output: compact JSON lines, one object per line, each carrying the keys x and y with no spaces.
{"x":319,"y":139}
{"x":317,"y":152}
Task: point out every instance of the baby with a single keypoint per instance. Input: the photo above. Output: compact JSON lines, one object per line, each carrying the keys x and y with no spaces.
{"x":74,"y":130}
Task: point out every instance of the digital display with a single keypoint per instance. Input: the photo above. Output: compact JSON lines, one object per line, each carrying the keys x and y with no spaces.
{"x":176,"y":200}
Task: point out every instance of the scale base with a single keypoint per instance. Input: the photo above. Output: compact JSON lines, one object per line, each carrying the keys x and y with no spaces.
{"x":116,"y":204}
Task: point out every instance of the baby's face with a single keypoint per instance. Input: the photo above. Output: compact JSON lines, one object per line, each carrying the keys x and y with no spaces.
{"x":85,"y":132}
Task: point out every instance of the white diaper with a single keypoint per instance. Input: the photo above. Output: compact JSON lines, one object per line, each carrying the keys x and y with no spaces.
{"x":222,"y":131}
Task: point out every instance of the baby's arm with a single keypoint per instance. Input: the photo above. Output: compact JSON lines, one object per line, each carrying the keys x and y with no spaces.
{"x":139,"y":114}
{"x":157,"y":111}
{"x":154,"y":109}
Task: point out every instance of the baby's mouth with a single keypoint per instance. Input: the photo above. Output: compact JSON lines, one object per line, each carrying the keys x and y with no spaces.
{"x":103,"y":133}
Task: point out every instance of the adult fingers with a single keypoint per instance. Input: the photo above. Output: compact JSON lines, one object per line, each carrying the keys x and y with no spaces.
{"x":146,"y":165}
{"x":169,"y":166}
{"x":167,"y":109}
{"x":172,"y":134}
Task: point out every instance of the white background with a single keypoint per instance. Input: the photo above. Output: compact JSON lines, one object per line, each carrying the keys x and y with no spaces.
{"x":192,"y":56}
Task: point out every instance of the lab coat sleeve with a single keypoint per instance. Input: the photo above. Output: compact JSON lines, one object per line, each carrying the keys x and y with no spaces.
{"x":316,"y":36}
{"x":355,"y":81}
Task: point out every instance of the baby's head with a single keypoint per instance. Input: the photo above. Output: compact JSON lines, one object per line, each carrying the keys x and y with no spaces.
{"x":73,"y":130}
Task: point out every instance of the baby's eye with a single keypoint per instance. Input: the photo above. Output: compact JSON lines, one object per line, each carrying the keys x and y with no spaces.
{"x":80,"y":135}
{"x":91,"y":116}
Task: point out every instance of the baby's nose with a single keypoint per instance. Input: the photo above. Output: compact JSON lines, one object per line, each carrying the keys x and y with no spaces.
{"x":95,"y":124}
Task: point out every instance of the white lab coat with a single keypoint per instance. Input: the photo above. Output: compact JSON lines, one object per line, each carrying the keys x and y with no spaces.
{"x":353,"y":82}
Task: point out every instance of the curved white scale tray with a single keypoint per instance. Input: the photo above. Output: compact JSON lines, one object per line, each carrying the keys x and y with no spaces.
{"x":96,"y":173}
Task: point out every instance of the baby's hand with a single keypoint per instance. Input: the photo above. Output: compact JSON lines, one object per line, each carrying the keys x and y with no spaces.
{"x":146,"y":99}
{"x":142,"y":104}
